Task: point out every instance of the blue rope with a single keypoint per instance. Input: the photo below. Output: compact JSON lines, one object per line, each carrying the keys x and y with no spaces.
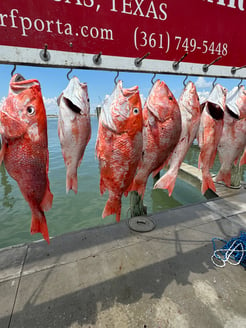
{"x":234,"y":249}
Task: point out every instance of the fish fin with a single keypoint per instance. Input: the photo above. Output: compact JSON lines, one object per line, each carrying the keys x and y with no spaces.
{"x":167,"y":181}
{"x":102,"y":187}
{"x":113,"y":206}
{"x":139,"y":187}
{"x":40,"y":225}
{"x":156,"y":171}
{"x":71,"y":183}
{"x":212,"y":159}
{"x":128,"y":189}
{"x":47,"y":201}
{"x":2,"y":151}
{"x":224,"y":176}
{"x":207,"y":183}
{"x":243,"y":158}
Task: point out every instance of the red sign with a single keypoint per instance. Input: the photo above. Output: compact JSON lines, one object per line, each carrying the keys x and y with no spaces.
{"x":165,"y":30}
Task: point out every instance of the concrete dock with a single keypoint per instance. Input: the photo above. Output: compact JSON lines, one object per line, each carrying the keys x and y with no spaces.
{"x":113,"y":277}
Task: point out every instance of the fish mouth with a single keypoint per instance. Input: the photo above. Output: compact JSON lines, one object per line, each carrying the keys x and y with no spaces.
{"x":18,"y":84}
{"x":76,"y":97}
{"x":18,"y":78}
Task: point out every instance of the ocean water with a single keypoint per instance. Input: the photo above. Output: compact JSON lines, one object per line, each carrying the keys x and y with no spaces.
{"x":72,"y":212}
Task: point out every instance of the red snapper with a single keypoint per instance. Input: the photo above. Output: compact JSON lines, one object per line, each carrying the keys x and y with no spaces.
{"x":23,"y":126}
{"x":74,"y":128}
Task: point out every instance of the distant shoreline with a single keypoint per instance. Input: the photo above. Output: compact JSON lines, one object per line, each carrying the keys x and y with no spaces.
{"x":55,"y":116}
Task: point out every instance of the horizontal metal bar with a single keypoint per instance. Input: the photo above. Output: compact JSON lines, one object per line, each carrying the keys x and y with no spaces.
{"x":30,"y":57}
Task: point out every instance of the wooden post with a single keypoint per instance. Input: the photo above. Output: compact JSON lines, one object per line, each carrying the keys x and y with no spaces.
{"x":137,"y":207}
{"x":236,"y":175}
{"x":156,"y":178}
{"x":98,"y":110}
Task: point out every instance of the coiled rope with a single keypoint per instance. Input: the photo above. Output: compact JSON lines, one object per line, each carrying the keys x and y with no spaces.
{"x":233,"y":252}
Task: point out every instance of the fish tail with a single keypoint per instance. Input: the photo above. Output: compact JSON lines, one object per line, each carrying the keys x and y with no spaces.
{"x":207,"y":183}
{"x":224,"y":176}
{"x":167,"y":181}
{"x":40,"y":225}
{"x":113,"y":206}
{"x":72,"y":183}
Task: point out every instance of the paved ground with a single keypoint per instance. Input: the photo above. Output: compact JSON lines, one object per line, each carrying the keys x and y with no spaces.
{"x":112,"y":277}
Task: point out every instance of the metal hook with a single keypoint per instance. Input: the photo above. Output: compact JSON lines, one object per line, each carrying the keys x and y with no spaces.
{"x":97,"y":58}
{"x":206,"y":66}
{"x":152,"y":80}
{"x":13,"y":70}
{"x":69,"y":72}
{"x":214,"y":82}
{"x":138,"y":61}
{"x":185,"y":80}
{"x":176,"y":63}
{"x":234,"y":69}
{"x":44,"y":53}
{"x":239,"y":84}
{"x":115,"y":82}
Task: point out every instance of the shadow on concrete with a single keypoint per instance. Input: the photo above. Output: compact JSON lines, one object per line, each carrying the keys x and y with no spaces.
{"x":98,"y":236}
{"x":81,"y":307}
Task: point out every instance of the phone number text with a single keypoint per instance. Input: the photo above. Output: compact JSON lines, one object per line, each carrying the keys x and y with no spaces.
{"x":143,"y":39}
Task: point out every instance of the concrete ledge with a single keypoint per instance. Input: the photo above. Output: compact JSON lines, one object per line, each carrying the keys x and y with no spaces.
{"x":113,"y":277}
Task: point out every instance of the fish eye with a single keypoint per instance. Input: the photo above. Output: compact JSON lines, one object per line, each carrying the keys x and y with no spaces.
{"x":170,"y":98}
{"x":135,"y":110}
{"x":30,"y":110}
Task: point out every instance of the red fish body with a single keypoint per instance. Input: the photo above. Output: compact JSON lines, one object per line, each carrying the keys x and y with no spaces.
{"x":233,"y":139}
{"x":23,"y":126}
{"x":119,"y":145}
{"x":74,"y":128}
{"x":190,"y":112}
{"x":161,"y":132}
{"x":209,"y":133}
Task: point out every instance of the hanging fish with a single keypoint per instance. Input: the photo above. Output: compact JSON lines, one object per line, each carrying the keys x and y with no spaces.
{"x":209,"y":133}
{"x":161,"y":131}
{"x":25,"y":147}
{"x":233,"y":139}
{"x":190,"y":113}
{"x":74,"y":128}
{"x":119,"y":145}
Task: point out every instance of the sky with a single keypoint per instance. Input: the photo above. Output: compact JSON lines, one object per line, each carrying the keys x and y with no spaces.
{"x":101,"y":83}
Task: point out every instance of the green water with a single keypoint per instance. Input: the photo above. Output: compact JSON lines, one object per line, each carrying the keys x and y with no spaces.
{"x":73,"y":212}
